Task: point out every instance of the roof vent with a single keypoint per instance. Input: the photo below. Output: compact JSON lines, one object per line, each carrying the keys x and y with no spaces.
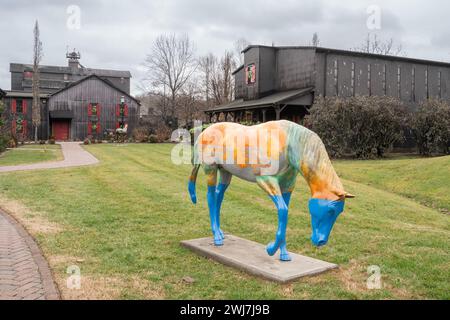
{"x":73,"y":59}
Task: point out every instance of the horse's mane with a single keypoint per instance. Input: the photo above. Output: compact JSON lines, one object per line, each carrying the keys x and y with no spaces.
{"x":308,"y":155}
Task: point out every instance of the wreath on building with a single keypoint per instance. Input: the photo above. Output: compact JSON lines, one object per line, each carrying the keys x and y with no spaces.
{"x":19,"y":124}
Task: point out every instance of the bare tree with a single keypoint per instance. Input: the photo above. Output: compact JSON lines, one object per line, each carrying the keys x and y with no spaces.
{"x":207,"y":65}
{"x":315,"y":42}
{"x":37,"y":57}
{"x":372,"y":44}
{"x":239,"y":46}
{"x":170,"y":65}
{"x":218,"y":82}
{"x":190,"y":103}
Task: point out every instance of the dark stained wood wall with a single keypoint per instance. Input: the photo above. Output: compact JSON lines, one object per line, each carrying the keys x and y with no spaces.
{"x":284,"y":68}
{"x":76,"y":99}
{"x":10,"y":116}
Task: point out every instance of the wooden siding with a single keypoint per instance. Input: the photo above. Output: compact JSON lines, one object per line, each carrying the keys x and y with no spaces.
{"x":77,"y":99}
{"x":10,"y":116}
{"x":286,"y":68}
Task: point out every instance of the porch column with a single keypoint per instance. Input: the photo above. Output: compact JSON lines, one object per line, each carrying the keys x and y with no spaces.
{"x":263,"y":115}
{"x":277,"y":112}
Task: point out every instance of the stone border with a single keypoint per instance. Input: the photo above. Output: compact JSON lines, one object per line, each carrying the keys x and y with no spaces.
{"x":49,"y":285}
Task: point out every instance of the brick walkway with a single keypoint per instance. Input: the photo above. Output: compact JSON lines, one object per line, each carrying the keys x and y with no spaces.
{"x":24,"y":272}
{"x":74,"y":156}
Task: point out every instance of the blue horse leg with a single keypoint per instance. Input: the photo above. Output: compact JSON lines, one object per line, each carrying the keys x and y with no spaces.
{"x":280,"y":238}
{"x":212,"y":204}
{"x":220,"y":192}
{"x":284,"y":254}
{"x":224,"y":182}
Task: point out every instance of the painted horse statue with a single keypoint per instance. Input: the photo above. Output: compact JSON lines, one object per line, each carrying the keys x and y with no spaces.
{"x":234,"y":149}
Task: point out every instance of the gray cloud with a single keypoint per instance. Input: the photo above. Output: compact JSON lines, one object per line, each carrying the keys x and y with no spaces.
{"x":118,"y":34}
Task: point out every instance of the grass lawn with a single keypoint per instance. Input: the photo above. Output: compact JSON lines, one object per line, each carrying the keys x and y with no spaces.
{"x":121,"y":222}
{"x":425,"y":180}
{"x":31,"y":154}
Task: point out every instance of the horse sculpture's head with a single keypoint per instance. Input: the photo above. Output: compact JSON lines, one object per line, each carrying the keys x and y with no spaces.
{"x":323,"y":216}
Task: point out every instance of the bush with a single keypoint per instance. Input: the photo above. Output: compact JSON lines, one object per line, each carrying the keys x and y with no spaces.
{"x":140,"y":134}
{"x":163,"y":133}
{"x":153,"y":138}
{"x":87,"y":141}
{"x":3,"y":143}
{"x":51,"y":140}
{"x":431,"y":127}
{"x":362,"y":126}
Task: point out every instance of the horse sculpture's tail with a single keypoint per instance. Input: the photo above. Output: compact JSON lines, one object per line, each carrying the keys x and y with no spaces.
{"x":193,"y":177}
{"x":191,"y":184}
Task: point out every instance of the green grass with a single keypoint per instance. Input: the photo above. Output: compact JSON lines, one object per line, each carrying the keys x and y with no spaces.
{"x":425,"y":180}
{"x":28,"y":154}
{"x":126,"y":216}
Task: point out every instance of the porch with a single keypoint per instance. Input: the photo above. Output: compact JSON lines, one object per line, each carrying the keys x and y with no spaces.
{"x":291,"y":105}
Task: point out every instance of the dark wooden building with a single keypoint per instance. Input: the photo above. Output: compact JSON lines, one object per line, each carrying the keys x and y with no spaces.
{"x":54,"y":78}
{"x":89,"y":107}
{"x":78,"y":103}
{"x":282,"y":82}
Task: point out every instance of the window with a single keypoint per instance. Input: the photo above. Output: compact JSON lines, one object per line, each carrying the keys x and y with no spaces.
{"x":399,"y":80}
{"x":413,"y":84}
{"x":250,"y":73}
{"x":336,"y":84}
{"x":19,"y":106}
{"x":28,"y":74}
{"x":369,"y":79}
{"x":353,"y":79}
{"x":384,"y":80}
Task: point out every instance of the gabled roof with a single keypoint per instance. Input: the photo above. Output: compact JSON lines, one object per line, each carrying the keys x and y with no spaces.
{"x":109,"y":83}
{"x":282,"y":97}
{"x":21,"y":67}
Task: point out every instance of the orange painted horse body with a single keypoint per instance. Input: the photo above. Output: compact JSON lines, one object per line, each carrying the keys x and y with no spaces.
{"x":270,"y":154}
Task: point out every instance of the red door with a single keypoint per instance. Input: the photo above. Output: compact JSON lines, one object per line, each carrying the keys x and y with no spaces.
{"x":60,"y":129}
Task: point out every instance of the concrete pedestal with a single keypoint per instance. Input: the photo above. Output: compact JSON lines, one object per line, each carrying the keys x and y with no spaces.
{"x":252,"y":257}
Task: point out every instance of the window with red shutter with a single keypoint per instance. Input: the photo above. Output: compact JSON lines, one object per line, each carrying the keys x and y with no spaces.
{"x":89,"y":127}
{"x":118,"y":110}
{"x":24,"y":106}
{"x":98,"y":127}
{"x":13,"y":106}
{"x":98,"y":110}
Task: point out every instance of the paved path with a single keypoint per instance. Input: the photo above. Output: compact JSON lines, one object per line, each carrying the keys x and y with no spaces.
{"x":74,"y":156}
{"x":24,"y":272}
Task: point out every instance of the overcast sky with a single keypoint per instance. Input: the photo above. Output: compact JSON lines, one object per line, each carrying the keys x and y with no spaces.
{"x":118,"y":34}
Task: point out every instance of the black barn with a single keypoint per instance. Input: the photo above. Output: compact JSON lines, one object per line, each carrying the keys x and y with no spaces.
{"x":282,"y":82}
